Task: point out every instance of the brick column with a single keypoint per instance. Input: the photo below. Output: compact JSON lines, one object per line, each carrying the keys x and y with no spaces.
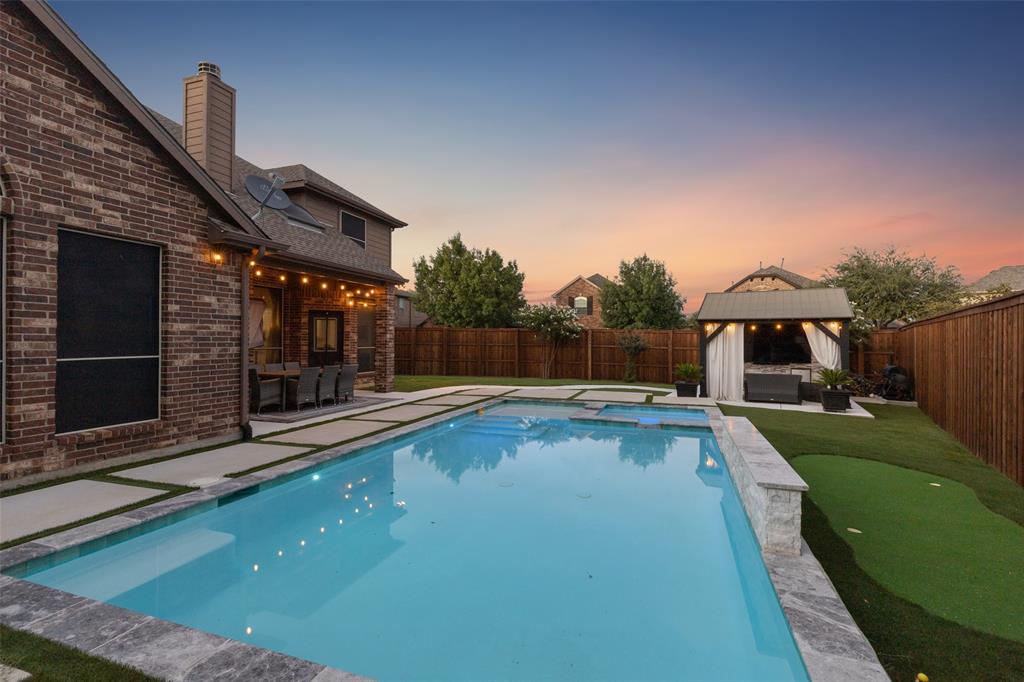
{"x":384,"y":312}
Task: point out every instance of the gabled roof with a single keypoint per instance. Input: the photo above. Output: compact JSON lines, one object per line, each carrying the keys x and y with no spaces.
{"x":248,"y":232}
{"x":1010,"y":275}
{"x":820,"y":303}
{"x":791,"y":278}
{"x":594,"y":280}
{"x":328,"y":248}
{"x":299,"y":175}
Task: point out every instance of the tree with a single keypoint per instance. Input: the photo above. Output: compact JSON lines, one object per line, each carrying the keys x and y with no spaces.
{"x":552,"y":324}
{"x":643,"y":296}
{"x":632,"y":344}
{"x":885,"y":286}
{"x":464,"y":287}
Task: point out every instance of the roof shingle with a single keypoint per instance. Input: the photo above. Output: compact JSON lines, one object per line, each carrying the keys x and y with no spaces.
{"x":820,"y":303}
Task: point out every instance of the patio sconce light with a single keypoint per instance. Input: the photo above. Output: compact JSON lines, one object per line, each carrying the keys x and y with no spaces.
{"x":217,"y":258}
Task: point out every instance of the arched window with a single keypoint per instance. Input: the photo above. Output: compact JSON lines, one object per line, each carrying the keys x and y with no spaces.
{"x":580,"y":305}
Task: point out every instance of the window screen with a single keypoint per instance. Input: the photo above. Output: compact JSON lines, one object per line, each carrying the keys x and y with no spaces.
{"x":354,"y":227}
{"x":3,"y":325}
{"x":108,"y":331}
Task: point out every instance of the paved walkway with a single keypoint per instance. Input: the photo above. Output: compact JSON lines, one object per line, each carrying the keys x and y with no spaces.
{"x":38,"y":510}
{"x":210,"y":467}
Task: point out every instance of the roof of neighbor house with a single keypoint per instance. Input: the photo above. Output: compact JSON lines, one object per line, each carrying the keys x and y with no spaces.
{"x":595,"y":280}
{"x":1010,"y":275}
{"x":791,"y":278}
{"x":329,"y":248}
{"x":417,"y":318}
{"x":248,"y":231}
{"x":821,"y":303}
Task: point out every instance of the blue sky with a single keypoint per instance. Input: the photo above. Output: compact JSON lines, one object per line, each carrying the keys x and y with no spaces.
{"x":572,"y":135}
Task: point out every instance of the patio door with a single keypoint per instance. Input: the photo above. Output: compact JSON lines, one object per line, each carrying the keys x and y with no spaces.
{"x":325,"y":338}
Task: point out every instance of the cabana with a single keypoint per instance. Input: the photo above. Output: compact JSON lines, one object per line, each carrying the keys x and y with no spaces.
{"x":771,"y":332}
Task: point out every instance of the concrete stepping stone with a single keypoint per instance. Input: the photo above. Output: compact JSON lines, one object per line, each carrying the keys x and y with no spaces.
{"x":331,"y":432}
{"x":27,"y":513}
{"x":550,"y":393}
{"x":686,"y":400}
{"x":487,"y":390}
{"x":451,"y":400}
{"x":207,"y":468}
{"x":402,"y":413}
{"x":614,"y":396}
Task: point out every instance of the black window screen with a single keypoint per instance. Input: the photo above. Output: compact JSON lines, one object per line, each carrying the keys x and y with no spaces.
{"x":108,"y":331}
{"x":3,"y":326}
{"x":354,"y":227}
{"x":366,"y":339}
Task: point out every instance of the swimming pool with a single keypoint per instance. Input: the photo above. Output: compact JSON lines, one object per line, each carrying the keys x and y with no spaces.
{"x":654,"y":415}
{"x":493,"y":546}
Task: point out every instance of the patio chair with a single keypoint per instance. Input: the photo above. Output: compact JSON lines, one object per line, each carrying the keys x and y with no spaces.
{"x":263,"y":393}
{"x":292,"y":365}
{"x":302,"y":391}
{"x":274,"y":366}
{"x":328,"y":380}
{"x":347,"y":382}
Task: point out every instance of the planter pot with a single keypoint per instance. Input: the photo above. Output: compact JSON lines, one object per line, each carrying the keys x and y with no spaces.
{"x":835,"y":399}
{"x":684,"y":389}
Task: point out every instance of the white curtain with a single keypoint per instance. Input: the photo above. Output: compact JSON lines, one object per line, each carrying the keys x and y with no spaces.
{"x":824,"y":350}
{"x":725,"y":363}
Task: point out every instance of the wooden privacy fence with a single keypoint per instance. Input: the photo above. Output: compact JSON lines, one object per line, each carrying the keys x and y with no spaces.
{"x":518,"y":353}
{"x":968,"y":372}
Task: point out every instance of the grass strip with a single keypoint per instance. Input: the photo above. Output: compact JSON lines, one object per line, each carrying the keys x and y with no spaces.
{"x":418,"y":382}
{"x":52,"y":662}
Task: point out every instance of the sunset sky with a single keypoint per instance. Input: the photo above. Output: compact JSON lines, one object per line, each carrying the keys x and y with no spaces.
{"x":570,"y":136}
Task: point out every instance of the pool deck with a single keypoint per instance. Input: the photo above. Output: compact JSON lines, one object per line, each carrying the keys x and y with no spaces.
{"x":832,"y":646}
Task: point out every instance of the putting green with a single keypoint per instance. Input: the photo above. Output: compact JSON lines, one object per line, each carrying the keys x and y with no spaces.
{"x":935,"y":545}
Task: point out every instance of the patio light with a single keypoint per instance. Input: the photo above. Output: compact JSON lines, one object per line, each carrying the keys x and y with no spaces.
{"x":778,"y":325}
{"x":283,"y":278}
{"x":709,"y":327}
{"x":305,"y":280}
{"x":259,"y":273}
{"x":323,"y":285}
{"x":342,"y":287}
{"x":351,"y":302}
{"x":753,"y":327}
{"x":252,"y":263}
{"x":217,"y":258}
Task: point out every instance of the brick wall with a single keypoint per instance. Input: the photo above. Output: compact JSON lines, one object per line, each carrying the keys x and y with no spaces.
{"x":384,"y":372}
{"x":72,"y":157}
{"x":583,"y":288}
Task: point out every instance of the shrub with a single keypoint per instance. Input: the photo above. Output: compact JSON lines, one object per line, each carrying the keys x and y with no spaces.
{"x":552,"y":324}
{"x":632,"y":345}
{"x":834,"y":378}
{"x":689,"y":372}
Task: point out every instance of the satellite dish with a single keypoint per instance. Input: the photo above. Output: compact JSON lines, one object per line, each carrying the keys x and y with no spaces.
{"x":267,"y":192}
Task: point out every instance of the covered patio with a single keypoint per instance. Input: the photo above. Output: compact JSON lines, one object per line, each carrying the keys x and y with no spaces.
{"x":796,"y":333}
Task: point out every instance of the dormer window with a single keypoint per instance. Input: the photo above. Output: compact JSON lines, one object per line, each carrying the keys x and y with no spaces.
{"x":354,"y":228}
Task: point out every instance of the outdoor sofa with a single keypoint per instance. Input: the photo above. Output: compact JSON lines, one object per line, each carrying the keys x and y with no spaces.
{"x":772,"y":388}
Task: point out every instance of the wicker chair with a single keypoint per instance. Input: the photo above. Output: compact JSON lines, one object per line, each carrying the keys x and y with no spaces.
{"x":263,"y":393}
{"x":302,"y":391}
{"x":292,"y":365}
{"x":772,"y":388}
{"x":274,"y":367}
{"x":346,"y":383}
{"x":328,"y":380}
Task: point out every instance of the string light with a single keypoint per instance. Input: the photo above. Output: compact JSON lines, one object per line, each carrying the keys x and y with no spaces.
{"x":753,"y":327}
{"x":359,"y":291}
{"x":259,"y":273}
{"x":323,"y":285}
{"x":252,"y":263}
{"x":305,"y":280}
{"x":778,"y":326}
{"x":283,"y":278}
{"x":342,"y":287}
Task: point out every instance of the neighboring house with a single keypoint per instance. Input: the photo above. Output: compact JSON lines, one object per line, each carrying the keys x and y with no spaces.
{"x":406,"y":314}
{"x":772,"y":278}
{"x":583,"y":294}
{"x":132,"y":264}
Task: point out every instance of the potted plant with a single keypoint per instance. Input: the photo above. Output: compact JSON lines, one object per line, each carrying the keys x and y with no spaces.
{"x":834,"y":398}
{"x":689,"y":376}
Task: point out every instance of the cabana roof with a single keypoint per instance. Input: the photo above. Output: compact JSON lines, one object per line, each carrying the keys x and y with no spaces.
{"x":797,"y":304}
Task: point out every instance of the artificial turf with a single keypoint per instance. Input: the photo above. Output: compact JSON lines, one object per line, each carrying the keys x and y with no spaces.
{"x":51,"y":662}
{"x":908,"y":638}
{"x":926,"y":538}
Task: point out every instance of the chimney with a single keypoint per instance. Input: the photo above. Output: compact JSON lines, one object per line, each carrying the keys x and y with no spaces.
{"x":209,"y":123}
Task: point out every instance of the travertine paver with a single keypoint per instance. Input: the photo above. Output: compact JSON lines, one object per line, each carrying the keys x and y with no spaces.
{"x":451,"y":400}
{"x":207,"y":468}
{"x":331,"y":432}
{"x":487,"y":390}
{"x":614,"y":396}
{"x":676,"y":400}
{"x":9,"y":674}
{"x":403,"y":413}
{"x":36,"y":510}
{"x":551,"y":393}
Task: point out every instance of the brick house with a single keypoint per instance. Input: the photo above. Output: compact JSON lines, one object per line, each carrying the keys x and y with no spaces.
{"x":772,"y":278}
{"x":131,"y":267}
{"x":583,"y":294}
{"x":406,"y":312}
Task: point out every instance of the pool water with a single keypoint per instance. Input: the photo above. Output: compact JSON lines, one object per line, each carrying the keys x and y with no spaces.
{"x":654,"y":415}
{"x":489,"y":548}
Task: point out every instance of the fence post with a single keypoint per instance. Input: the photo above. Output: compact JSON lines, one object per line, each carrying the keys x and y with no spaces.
{"x":590,"y":354}
{"x":444,"y":351}
{"x":516,"y":372}
{"x":671,"y":349}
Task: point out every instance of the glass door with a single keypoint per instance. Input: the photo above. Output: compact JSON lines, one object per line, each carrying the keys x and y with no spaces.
{"x":324,"y":338}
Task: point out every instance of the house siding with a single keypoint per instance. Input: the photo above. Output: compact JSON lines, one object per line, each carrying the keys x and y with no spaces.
{"x":73,"y":158}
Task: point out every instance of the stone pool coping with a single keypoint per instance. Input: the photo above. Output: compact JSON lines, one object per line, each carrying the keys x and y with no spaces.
{"x":831,"y":644}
